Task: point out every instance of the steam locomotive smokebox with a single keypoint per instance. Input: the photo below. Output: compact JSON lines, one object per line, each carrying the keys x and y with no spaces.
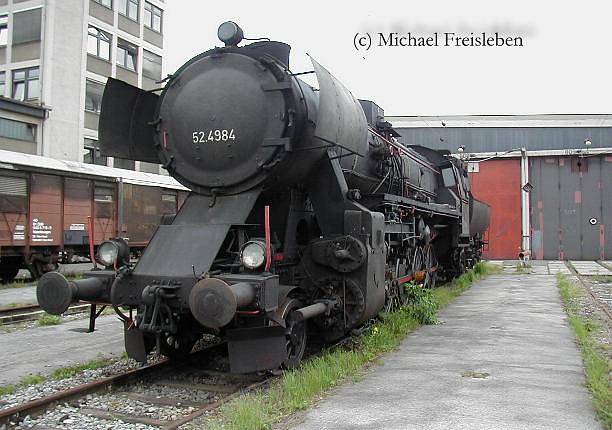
{"x":221,"y":121}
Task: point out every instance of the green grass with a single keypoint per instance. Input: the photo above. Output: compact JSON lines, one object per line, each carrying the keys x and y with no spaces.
{"x":7,"y":389}
{"x":14,"y":284}
{"x":522,"y":269}
{"x":48,"y":319}
{"x":58,"y":374}
{"x":598,"y":367}
{"x":15,"y":305}
{"x":32,"y":380}
{"x":299,"y":389}
{"x":604,"y":279}
{"x":70,"y":371}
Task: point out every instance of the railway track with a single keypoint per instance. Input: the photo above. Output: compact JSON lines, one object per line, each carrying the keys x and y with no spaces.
{"x":164,"y":395}
{"x":19,"y":314}
{"x":600,"y":291}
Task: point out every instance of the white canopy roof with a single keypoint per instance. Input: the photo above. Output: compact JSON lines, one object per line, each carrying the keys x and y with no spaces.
{"x":14,"y":160}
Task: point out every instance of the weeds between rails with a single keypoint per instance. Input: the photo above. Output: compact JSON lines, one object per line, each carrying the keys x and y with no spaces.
{"x":598,"y":367}
{"x":300,"y":388}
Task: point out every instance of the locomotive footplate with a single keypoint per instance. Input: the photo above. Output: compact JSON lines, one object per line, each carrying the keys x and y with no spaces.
{"x":259,"y":348}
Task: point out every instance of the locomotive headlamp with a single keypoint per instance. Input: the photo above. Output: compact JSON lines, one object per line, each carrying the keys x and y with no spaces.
{"x":253,"y":254}
{"x":230,"y":33}
{"x":113,"y":251}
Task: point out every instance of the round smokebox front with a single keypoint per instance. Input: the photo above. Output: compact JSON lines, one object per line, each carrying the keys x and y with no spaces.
{"x":216,"y":117}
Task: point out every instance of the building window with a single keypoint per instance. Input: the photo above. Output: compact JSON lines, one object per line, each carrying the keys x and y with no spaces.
{"x":2,"y":83}
{"x":18,"y":130}
{"x":107,"y":3}
{"x":98,"y":43}
{"x":3,"y":30}
{"x":92,"y":153}
{"x":26,"y":26}
{"x":26,"y":84}
{"x":93,"y":96}
{"x":124,"y":163}
{"x":127,"y":55}
{"x":152,"y":17}
{"x":13,"y":197}
{"x":129,"y":8}
{"x":151,"y":65}
{"x":103,"y":200}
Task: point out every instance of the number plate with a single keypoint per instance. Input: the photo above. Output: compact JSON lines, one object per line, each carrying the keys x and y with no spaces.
{"x":214,"y":135}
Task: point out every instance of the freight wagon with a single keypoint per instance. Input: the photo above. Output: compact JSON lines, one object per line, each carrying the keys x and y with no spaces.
{"x":45,"y":205}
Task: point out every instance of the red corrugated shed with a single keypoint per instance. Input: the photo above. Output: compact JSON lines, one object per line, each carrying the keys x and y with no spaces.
{"x":497,"y":183}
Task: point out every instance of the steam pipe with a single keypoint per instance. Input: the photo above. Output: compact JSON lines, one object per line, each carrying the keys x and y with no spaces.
{"x":311,"y":311}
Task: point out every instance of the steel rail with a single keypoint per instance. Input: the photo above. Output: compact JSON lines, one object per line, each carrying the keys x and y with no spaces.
{"x":32,"y":312}
{"x":14,"y":414}
{"x":586,"y":285}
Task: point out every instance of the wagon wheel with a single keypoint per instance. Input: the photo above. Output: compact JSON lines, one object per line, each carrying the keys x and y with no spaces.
{"x":462,"y":263}
{"x":8,"y":273}
{"x":418,"y":265}
{"x":180,"y":348}
{"x":431,"y":267}
{"x":296,"y":334}
{"x":393,"y":292}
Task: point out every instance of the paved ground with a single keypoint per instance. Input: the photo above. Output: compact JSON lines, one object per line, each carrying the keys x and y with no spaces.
{"x":590,"y":268}
{"x":27,"y":293}
{"x":504,"y":358}
{"x":552,"y":267}
{"x":67,"y":269}
{"x":22,"y":295}
{"x":44,"y":349}
{"x":555,"y":267}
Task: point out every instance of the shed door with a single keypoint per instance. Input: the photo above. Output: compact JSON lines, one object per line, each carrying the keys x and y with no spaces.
{"x":498,"y":183}
{"x":77,"y":207}
{"x":13,"y":210}
{"x":105,"y":212}
{"x":571,"y":214}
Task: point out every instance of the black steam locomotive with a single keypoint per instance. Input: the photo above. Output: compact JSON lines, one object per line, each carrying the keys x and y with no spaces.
{"x":306,"y":215}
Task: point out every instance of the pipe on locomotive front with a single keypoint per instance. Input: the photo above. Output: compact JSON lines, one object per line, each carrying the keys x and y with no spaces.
{"x":55,"y":293}
{"x":214,"y":302}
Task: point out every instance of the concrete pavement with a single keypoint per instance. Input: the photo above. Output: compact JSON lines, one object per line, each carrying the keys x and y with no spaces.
{"x":44,"y":349}
{"x":21,"y":295}
{"x":26,"y":295}
{"x":504,"y":358}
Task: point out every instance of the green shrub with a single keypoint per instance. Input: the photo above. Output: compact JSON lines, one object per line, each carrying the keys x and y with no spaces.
{"x":48,"y":319}
{"x":420,"y":304}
